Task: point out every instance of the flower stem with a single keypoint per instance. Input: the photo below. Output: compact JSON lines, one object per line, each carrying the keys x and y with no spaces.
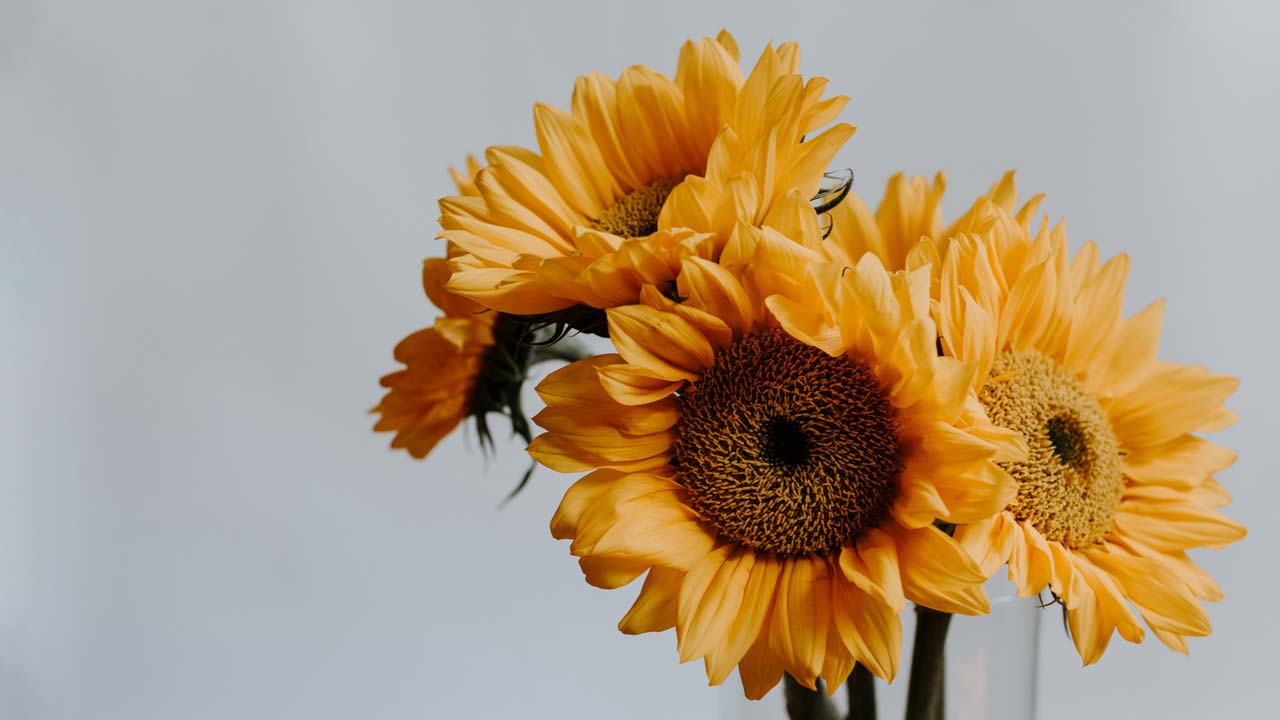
{"x":806,"y":704}
{"x":927,"y":688}
{"x":861,"y":687}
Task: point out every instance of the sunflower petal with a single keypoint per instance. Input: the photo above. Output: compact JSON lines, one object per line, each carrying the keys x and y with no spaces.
{"x":938,"y":573}
{"x":655,"y":608}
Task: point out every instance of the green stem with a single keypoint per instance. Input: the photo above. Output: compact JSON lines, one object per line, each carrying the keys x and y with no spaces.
{"x":861,"y":687}
{"x":927,"y":688}
{"x":806,"y":704}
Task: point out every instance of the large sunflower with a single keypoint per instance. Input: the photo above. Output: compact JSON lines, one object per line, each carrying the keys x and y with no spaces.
{"x":779,"y":489}
{"x":639,"y":158}
{"x":1118,"y":485}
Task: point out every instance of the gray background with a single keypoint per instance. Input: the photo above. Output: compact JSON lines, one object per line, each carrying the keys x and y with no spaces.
{"x":211,"y":219}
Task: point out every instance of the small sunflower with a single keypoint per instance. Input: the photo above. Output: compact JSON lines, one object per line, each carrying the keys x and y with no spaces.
{"x":455,"y":369}
{"x":469,"y":363}
{"x":779,"y":490}
{"x":639,"y":161}
{"x":1118,"y":485}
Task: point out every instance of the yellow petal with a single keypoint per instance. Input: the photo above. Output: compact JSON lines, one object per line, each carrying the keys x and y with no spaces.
{"x":609,"y":573}
{"x":595,"y":105}
{"x":989,"y":542}
{"x":1031,"y":562}
{"x":1195,"y":577}
{"x":757,"y":603}
{"x":1084,"y":619}
{"x":1140,"y":338}
{"x":579,"y":496}
{"x":710,"y":598}
{"x":1172,"y":401}
{"x":710,"y":287}
{"x":739,"y":202}
{"x":661,"y":342}
{"x":574,"y":163}
{"x":1165,"y":602}
{"x":806,"y":324}
{"x":870,"y":629}
{"x":1173,"y":641}
{"x":1095,"y":317}
{"x":801,"y":614}
{"x":655,"y":608}
{"x":816,"y":155}
{"x":938,"y":573}
{"x":1178,"y":525}
{"x":603,"y":448}
{"x":692,"y":204}
{"x":872,"y":565}
{"x":760,"y":669}
{"x":657,"y":529}
{"x":1184,"y":461}
{"x":633,"y":385}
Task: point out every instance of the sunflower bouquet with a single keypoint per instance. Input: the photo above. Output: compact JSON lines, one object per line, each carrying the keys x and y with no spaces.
{"x":813,"y":414}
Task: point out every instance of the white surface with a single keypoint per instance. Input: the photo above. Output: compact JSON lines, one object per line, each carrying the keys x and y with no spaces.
{"x":211,"y":218}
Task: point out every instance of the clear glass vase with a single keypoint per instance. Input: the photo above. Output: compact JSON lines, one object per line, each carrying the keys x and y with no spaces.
{"x":990,"y":668}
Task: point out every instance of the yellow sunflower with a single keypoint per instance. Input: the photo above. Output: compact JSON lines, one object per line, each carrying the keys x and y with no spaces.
{"x":911,"y":209}
{"x":433,"y":393}
{"x":779,"y":489}
{"x":1118,"y":485}
{"x":638,"y":159}
{"x":469,"y":363}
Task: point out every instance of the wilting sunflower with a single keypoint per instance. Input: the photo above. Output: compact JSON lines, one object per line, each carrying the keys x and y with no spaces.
{"x":642,"y":160}
{"x":469,"y":363}
{"x":779,"y":490}
{"x":1118,"y":485}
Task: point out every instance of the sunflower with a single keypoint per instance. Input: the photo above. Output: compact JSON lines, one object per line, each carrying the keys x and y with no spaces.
{"x":779,"y":489}
{"x":433,"y":393}
{"x":1118,"y":485}
{"x":638,"y":162}
{"x":469,"y":363}
{"x":911,"y":209}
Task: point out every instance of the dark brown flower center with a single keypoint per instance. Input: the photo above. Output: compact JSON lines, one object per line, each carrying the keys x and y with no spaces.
{"x":635,"y":214}
{"x":786,"y":449}
{"x":1072,"y":481}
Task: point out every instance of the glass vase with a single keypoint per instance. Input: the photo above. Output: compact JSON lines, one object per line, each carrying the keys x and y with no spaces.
{"x":991,"y":663}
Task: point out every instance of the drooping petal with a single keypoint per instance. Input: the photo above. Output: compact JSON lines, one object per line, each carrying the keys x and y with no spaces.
{"x":801,"y":615}
{"x":872,"y":565}
{"x":710,"y":598}
{"x":938,"y":573}
{"x":655,"y":608}
{"x":663,"y":343}
{"x":751,"y":621}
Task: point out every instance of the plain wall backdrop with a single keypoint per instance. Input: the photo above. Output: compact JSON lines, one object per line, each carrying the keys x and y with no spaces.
{"x":211,"y":222}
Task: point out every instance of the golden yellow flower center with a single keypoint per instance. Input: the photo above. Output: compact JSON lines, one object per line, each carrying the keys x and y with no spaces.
{"x":635,"y":214}
{"x":786,"y":449}
{"x":1070,"y":484}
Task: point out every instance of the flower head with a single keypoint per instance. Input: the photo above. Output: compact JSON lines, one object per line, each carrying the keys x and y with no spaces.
{"x":779,"y":489}
{"x":1118,"y":484}
{"x":471,"y":362}
{"x":642,"y":171}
